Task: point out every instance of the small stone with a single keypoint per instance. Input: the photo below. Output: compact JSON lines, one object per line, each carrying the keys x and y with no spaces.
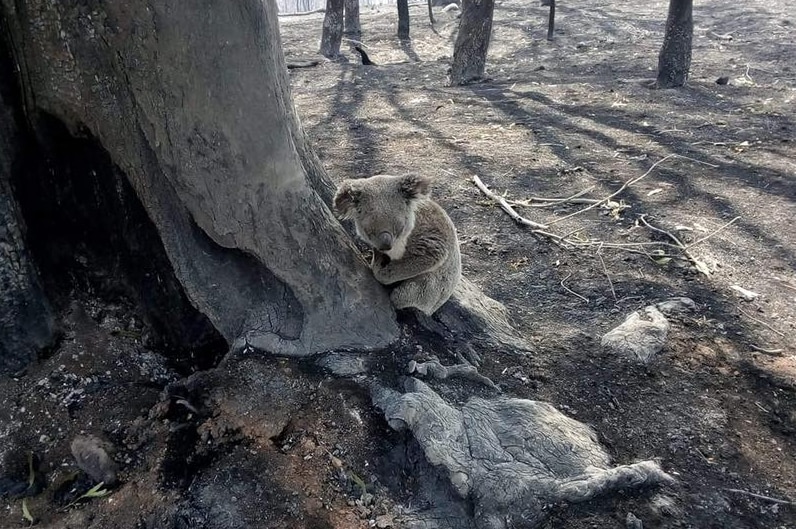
{"x":383,"y":521}
{"x":91,"y":455}
{"x":632,"y":522}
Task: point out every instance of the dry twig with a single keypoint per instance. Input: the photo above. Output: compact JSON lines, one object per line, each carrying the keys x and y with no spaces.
{"x":702,"y":267}
{"x":761,"y":497}
{"x":607,"y":276}
{"x":612,"y":195}
{"x":766,"y":351}
{"x":519,"y":219}
{"x":761,"y":322}
{"x":572,"y":291}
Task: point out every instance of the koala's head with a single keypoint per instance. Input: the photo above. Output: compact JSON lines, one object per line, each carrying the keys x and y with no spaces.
{"x":382,"y":207}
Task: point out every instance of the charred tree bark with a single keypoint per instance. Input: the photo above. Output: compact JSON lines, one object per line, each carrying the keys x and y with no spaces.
{"x":674,"y":60}
{"x":472,"y":42}
{"x":353,"y":29}
{"x":213,"y":148}
{"x":430,"y":13}
{"x":403,"y":19}
{"x":26,"y":320}
{"x":332,"y":33}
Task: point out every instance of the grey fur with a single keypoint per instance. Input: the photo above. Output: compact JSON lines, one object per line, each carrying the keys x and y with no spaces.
{"x":415,"y":248}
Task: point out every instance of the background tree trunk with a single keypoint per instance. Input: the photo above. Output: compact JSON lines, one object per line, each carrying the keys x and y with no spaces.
{"x":353,"y":29}
{"x":332,"y":33}
{"x":472,"y":42}
{"x":551,"y":19}
{"x":674,"y":60}
{"x":430,"y":13}
{"x":403,"y":19}
{"x":213,"y":148}
{"x":26,"y":321}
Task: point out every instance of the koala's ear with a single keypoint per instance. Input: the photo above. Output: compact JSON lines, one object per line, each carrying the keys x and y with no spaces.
{"x":415,"y":186}
{"x":346,"y":198}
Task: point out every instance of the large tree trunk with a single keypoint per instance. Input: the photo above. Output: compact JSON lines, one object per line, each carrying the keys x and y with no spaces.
{"x":472,"y":42}
{"x":191,"y":103}
{"x":353,"y":29}
{"x":26,"y":321}
{"x":403,"y":19}
{"x":674,"y":60}
{"x":332,"y":33}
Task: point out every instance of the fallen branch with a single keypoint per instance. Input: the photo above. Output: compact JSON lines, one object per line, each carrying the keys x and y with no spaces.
{"x":519,"y":219}
{"x":612,"y":195}
{"x":547,"y":202}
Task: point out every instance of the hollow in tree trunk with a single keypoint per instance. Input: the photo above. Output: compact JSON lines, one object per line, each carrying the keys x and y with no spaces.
{"x":403,"y":19}
{"x":674,"y":60}
{"x":332,"y":33}
{"x":353,"y":29}
{"x":213,"y":148}
{"x":472,"y":42}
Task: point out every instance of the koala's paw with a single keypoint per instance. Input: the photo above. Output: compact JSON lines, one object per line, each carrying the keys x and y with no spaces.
{"x":379,"y":260}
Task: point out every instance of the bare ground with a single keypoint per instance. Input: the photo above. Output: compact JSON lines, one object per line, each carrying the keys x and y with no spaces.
{"x":555,"y":119}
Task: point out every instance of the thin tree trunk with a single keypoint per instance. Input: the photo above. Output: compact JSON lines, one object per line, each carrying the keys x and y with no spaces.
{"x":403,"y":19}
{"x":353,"y":29}
{"x":332,"y":33}
{"x":674,"y":60}
{"x":472,"y":42}
{"x":430,"y":13}
{"x":213,"y":148}
{"x":551,"y":20}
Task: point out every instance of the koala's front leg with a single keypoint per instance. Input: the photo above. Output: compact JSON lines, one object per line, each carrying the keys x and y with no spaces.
{"x":411,"y":265}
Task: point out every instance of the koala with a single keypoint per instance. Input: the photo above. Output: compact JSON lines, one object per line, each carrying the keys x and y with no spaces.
{"x":415,"y":248}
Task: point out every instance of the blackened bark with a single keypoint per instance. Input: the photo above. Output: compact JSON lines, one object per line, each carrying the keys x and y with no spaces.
{"x":353,"y":29}
{"x":403,"y":19}
{"x":430,"y":12}
{"x":26,"y":320}
{"x":210,"y":142}
{"x":674,"y":60}
{"x":332,"y":33}
{"x":472,"y":42}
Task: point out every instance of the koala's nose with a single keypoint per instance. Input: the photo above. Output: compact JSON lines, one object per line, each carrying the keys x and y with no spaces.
{"x":385,"y":240}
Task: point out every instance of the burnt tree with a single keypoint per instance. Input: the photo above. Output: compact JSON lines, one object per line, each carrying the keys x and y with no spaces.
{"x":332,"y":34}
{"x":212,"y":147}
{"x":403,"y":19}
{"x":472,"y":42}
{"x":674,"y":60}
{"x":353,"y":29}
